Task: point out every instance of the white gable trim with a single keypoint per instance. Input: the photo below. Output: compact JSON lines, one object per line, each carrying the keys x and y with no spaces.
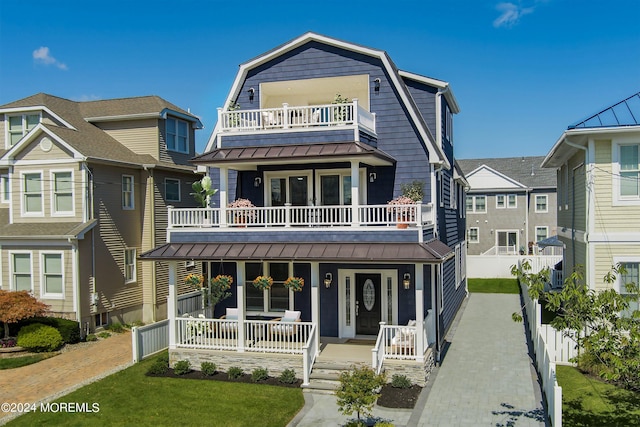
{"x":8,"y":157}
{"x":37,"y":108}
{"x":436,"y":154}
{"x":483,"y":167}
{"x":448,"y":94}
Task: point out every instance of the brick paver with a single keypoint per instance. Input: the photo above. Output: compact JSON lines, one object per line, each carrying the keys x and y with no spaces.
{"x":64,"y":373}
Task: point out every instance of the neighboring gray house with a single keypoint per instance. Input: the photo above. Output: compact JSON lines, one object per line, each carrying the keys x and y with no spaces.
{"x":511,"y":204}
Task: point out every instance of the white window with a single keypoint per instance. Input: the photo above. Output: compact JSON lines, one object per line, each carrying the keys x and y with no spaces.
{"x":52,"y":269}
{"x":62,"y":192}
{"x":441,"y":188}
{"x":453,"y":197}
{"x":477,"y":204}
{"x":177,"y":135}
{"x":20,"y":125}
{"x":5,"y":187}
{"x":474,"y":235}
{"x":21,"y":271}
{"x":541,"y":203}
{"x":629,"y":172}
{"x":172,"y":190}
{"x":500,"y":202}
{"x":512,"y":201}
{"x":129,"y":265}
{"x":32,"y":194}
{"x":541,"y":233}
{"x":274,"y":300}
{"x":127,"y":192}
{"x":631,"y":274}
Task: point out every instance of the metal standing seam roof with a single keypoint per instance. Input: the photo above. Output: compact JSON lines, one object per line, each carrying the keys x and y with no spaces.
{"x":623,"y":113}
{"x":288,"y":152}
{"x":432,"y":252}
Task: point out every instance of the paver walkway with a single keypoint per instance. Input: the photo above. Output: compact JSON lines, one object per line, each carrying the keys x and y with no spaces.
{"x":66,"y":372}
{"x":486,"y":377}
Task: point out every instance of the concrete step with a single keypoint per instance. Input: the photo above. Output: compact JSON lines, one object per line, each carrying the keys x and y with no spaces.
{"x":321,"y":385}
{"x":325,"y":375}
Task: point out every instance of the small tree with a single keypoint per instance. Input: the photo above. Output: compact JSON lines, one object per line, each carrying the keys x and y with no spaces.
{"x":359,"y":390}
{"x":202,"y":191}
{"x":19,"y":305}
{"x":605,"y":331}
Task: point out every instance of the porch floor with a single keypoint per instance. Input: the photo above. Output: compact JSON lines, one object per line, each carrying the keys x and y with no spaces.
{"x":343,"y":350}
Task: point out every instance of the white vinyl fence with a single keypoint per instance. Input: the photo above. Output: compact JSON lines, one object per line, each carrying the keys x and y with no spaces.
{"x":499,"y":266}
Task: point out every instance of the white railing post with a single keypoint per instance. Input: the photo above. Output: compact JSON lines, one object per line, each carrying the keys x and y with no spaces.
{"x":287,"y":214}
{"x":240,"y":304}
{"x":224,"y":197}
{"x":170,"y":216}
{"x":285,"y":116}
{"x":419,"y":337}
{"x":355,"y":193}
{"x":220,"y":119}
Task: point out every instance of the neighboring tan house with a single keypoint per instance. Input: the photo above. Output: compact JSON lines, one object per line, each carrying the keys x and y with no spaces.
{"x":511,"y":204}
{"x":598,"y":172}
{"x":85,"y":188}
{"x":320,"y":173}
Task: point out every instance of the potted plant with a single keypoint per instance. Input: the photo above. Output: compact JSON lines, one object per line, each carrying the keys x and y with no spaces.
{"x":219,"y":287}
{"x":401,"y":213}
{"x":244,"y":214}
{"x":234,"y":118}
{"x":194,"y":279}
{"x":341,"y":113}
{"x":263,"y":282}
{"x":294,"y":283}
{"x":202,"y":191}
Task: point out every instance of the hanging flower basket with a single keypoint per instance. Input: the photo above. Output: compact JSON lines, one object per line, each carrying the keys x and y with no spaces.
{"x":263,"y":282}
{"x":294,"y":283}
{"x":222,"y":281}
{"x":194,"y":280}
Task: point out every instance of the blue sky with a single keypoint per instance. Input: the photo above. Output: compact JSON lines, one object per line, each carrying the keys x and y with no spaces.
{"x":522,"y":71}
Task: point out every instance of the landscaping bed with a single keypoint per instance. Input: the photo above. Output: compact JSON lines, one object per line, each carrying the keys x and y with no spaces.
{"x":394,"y":397}
{"x":223,"y":376}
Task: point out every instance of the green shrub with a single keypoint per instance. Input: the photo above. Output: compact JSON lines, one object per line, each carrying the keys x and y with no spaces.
{"x":158,"y":367}
{"x":38,"y":338}
{"x":91,"y":337}
{"x":358,"y":391}
{"x":208,"y":368}
{"x":235,"y":372}
{"x":182,"y":367}
{"x":104,"y":334}
{"x":69,"y":329}
{"x":259,"y":374}
{"x":288,"y":376}
{"x":400,"y":381}
{"x":164,"y":357}
{"x":118,"y":328}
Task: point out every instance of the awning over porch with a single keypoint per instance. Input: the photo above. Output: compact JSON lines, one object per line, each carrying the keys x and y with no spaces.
{"x":433,"y":252}
{"x":248,"y":157}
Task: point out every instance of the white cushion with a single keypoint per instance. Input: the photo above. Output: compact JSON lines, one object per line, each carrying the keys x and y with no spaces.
{"x":291,"y":316}
{"x":411,"y":323}
{"x":232,"y":312}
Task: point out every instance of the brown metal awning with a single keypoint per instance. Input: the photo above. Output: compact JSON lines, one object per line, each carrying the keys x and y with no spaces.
{"x":430,"y":253}
{"x":247,"y":158}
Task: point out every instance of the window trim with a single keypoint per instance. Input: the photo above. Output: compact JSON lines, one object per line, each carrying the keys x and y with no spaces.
{"x":23,"y":204}
{"x":515,"y":201}
{"x":176,"y":148}
{"x":441,"y":188}
{"x":5,"y":196}
{"x":546,"y":203}
{"x":52,"y":191}
{"x":617,"y":199}
{"x":133,"y":186}
{"x":135,"y":265}
{"x":504,"y":201}
{"x":540,"y":227}
{"x":628,"y":259}
{"x":266,"y":293}
{"x":43,"y":289}
{"x":474,"y":205}
{"x":12,"y":284}
{"x":7,"y":131}
{"x":166,"y":197}
{"x":477,"y":240}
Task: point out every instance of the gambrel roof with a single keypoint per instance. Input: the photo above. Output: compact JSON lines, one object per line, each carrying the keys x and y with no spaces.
{"x":436,"y":153}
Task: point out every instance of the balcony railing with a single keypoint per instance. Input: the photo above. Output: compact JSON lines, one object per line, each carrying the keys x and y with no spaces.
{"x":418,"y":214}
{"x":297,"y":117}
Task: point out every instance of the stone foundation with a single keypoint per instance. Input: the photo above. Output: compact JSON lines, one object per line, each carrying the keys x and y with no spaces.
{"x":275,"y":363}
{"x":418,"y":373}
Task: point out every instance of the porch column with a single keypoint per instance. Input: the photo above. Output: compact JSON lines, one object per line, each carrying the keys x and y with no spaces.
{"x":419,"y":282}
{"x":224,"y":197}
{"x":355,"y":193}
{"x":315,"y":300}
{"x":172,"y":304}
{"x":240,"y":303}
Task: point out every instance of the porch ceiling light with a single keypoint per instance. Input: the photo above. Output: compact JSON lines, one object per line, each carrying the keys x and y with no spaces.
{"x":328,"y":278}
{"x":406,"y":280}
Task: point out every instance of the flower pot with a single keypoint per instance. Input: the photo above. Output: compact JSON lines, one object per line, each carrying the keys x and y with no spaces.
{"x":402,"y":225}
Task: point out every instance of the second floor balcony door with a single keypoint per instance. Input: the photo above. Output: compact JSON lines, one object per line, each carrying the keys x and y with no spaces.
{"x":292,"y":189}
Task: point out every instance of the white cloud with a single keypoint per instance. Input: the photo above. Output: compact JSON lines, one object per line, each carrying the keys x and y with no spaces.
{"x":510,"y":14}
{"x":43,"y":56}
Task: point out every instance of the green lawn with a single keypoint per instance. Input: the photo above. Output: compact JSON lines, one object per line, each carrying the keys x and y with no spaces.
{"x":493,"y":286}
{"x":16,"y":362}
{"x":130,"y":398}
{"x":587,"y":401}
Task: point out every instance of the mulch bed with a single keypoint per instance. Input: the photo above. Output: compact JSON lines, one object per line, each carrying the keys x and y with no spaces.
{"x":392,"y":397}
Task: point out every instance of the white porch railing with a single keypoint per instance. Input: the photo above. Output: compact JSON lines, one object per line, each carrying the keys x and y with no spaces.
{"x":260,"y":335}
{"x":297,"y":117}
{"x":309,"y":352}
{"x":418,"y":214}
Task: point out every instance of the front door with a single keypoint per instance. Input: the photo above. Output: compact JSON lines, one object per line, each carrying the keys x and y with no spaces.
{"x":368,"y":303}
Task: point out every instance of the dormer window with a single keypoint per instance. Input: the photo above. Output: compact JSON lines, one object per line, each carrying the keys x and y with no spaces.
{"x":177,"y":135}
{"x":20,"y":125}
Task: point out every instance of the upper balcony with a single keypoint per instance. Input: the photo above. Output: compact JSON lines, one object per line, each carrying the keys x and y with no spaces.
{"x":308,"y":117}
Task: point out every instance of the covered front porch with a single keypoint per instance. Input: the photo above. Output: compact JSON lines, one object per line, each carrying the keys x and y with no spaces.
{"x":384,"y":293}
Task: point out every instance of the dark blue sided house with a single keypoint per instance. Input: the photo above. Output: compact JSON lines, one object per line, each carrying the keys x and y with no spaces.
{"x":316,"y":138}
